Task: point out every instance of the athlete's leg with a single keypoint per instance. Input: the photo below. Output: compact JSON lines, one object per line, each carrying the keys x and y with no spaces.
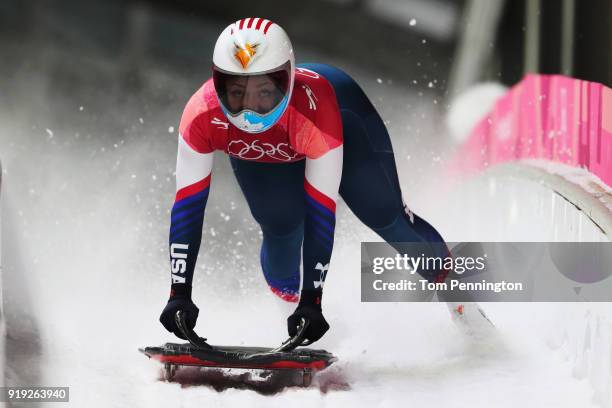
{"x":275,"y":195}
{"x":370,"y":187}
{"x":370,"y":184}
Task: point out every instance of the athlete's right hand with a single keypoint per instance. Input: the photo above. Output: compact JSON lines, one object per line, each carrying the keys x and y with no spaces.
{"x":176,"y":303}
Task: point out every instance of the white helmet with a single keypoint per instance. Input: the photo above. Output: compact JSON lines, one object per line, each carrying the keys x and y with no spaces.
{"x":253,"y":72}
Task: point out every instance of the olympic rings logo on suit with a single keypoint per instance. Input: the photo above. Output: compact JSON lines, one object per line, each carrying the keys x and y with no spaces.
{"x":258,"y":149}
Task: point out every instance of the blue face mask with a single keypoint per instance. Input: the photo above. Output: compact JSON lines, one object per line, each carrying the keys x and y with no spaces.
{"x":253,"y":122}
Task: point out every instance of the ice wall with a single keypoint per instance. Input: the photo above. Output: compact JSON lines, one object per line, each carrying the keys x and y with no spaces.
{"x":499,"y":205}
{"x":541,"y":168}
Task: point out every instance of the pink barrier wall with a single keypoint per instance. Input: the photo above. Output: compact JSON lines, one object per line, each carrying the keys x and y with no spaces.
{"x":550,"y":117}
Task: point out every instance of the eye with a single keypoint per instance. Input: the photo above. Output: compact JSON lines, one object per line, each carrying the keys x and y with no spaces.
{"x":236,"y":94}
{"x":265,"y":93}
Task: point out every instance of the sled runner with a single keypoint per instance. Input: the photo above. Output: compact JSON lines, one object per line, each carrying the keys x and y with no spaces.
{"x":199,"y":353}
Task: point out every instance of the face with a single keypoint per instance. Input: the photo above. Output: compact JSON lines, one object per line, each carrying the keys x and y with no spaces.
{"x":257,"y":93}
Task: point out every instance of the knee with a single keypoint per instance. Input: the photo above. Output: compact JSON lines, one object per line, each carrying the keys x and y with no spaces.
{"x":378,"y":214}
{"x":280,"y":263}
{"x":281,"y":254}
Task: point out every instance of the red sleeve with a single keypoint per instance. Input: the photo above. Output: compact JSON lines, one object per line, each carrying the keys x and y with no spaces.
{"x":324,"y":132}
{"x":191,"y":128}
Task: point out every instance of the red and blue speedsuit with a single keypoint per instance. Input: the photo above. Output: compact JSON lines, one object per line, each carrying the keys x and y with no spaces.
{"x":330,"y":141}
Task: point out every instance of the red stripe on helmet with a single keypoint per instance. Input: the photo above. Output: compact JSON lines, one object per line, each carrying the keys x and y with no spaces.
{"x":261,"y":20}
{"x":250,"y":23}
{"x":241,"y":24}
{"x":267,"y":27}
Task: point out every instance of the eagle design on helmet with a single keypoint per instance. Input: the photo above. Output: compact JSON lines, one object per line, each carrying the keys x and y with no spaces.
{"x":244,"y":54}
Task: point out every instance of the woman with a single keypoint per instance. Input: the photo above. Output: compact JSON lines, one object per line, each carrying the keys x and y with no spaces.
{"x":297,"y":137}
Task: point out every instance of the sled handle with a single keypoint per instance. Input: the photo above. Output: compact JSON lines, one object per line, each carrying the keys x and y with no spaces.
{"x":297,"y":340}
{"x":189,"y":334}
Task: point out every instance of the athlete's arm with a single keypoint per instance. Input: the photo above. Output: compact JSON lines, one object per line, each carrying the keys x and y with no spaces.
{"x":193,"y":170}
{"x":321,"y":186}
{"x":193,"y":174}
{"x":322,"y":146}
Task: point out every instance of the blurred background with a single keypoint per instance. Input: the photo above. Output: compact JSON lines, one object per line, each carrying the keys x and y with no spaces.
{"x":91,"y":93}
{"x":131,"y":47}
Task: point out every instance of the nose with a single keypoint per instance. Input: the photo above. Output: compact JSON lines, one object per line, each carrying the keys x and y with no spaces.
{"x":251,"y":101}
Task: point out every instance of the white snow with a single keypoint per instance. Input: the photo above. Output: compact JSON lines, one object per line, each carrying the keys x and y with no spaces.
{"x":95,"y":304}
{"x":470,"y":106}
{"x":82,"y":297}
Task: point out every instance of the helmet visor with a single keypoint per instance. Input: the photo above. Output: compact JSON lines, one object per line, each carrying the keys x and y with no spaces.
{"x":260,"y":93}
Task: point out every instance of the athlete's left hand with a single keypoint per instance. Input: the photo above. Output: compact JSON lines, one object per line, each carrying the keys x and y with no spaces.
{"x":309,"y":308}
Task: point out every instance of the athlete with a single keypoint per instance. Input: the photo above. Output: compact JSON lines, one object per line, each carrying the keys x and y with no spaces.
{"x":297,"y":137}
